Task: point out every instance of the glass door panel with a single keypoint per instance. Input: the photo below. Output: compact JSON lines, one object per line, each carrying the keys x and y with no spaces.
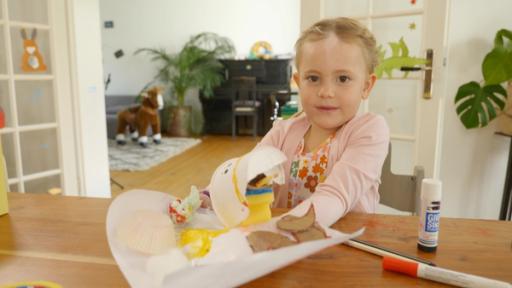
{"x":40,"y":145}
{"x":391,"y":30}
{"x":345,"y":8}
{"x":29,"y":11}
{"x":3,"y":56}
{"x":43,"y":185}
{"x":35,"y":101}
{"x":396,"y":93}
{"x":393,"y":100}
{"x":404,"y":163}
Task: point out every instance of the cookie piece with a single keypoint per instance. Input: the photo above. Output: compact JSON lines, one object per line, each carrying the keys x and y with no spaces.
{"x":314,"y":232}
{"x":292,"y":223}
{"x":259,"y":181}
{"x":266,"y":240}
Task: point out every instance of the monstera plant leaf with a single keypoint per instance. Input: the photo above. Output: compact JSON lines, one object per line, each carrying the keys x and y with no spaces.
{"x":497,"y":65}
{"x":476,"y":105}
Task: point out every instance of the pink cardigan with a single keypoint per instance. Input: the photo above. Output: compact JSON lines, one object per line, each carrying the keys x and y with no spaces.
{"x":353,"y":170}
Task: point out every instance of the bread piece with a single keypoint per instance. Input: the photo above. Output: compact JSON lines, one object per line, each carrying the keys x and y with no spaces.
{"x":314,"y":232}
{"x":259,"y":181}
{"x":266,"y":240}
{"x":292,"y":223}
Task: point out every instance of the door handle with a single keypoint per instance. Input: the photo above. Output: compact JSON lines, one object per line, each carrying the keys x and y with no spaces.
{"x":427,"y":81}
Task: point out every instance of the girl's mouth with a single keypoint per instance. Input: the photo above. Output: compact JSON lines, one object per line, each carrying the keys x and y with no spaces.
{"x":326,"y":108}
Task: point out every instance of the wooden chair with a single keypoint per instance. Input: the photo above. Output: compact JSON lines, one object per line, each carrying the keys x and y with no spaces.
{"x":244,"y":102}
{"x":401,"y":193}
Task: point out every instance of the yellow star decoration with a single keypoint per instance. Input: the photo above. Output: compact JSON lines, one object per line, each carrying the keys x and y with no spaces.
{"x":412,"y":26}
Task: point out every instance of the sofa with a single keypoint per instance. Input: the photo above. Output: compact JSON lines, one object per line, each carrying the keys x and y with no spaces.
{"x":114,"y":104}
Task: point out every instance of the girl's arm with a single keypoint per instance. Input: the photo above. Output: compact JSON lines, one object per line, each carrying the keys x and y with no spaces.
{"x":275,"y":136}
{"x":352,"y":177}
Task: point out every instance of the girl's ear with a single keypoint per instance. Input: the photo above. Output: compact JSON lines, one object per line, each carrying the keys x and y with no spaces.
{"x":368,"y":86}
{"x":296,"y":78}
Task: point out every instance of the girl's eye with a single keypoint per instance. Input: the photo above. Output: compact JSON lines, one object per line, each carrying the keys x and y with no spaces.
{"x":343,"y":79}
{"x":312,"y":78}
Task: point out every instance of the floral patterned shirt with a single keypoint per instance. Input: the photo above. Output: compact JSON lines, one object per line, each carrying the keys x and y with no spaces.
{"x":307,"y":171}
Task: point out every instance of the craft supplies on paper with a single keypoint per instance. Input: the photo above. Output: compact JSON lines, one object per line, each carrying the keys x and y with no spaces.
{"x":229,"y":251}
{"x":161,"y":241}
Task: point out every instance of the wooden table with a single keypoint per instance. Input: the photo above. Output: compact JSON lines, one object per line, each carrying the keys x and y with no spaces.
{"x":62,"y":239}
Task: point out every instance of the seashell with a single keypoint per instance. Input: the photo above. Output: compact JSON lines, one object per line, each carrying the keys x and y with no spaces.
{"x":147,"y":231}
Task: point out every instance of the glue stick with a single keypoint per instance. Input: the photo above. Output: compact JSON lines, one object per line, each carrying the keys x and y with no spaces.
{"x":430,"y":210}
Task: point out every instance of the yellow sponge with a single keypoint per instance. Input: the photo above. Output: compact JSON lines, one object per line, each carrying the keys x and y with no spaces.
{"x":259,"y":201}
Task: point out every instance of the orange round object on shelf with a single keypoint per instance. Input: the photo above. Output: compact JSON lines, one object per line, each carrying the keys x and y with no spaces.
{"x":261,"y":50}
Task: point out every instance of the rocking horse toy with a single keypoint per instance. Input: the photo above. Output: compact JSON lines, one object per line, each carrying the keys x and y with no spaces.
{"x":138,"y":118}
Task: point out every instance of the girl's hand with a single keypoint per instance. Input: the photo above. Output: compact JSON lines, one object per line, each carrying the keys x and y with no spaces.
{"x":206,"y":202}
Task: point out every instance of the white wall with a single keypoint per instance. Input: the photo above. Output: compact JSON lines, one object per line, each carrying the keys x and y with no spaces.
{"x":90,"y":121}
{"x":169,"y":23}
{"x":310,"y":12}
{"x":474,"y":161}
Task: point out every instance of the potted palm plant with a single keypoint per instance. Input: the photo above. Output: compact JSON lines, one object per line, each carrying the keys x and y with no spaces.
{"x":197,"y":65}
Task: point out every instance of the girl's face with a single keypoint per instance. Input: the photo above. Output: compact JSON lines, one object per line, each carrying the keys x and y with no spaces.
{"x":333,"y":79}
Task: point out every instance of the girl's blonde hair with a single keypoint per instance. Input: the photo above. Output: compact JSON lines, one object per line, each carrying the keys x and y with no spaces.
{"x":346,"y":29}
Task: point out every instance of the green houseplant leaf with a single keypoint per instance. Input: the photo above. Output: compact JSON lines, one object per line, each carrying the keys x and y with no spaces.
{"x":195,"y":65}
{"x":497,"y":64}
{"x":476,"y":105}
{"x":499,"y":39}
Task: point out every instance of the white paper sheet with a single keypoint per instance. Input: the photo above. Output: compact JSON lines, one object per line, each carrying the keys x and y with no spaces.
{"x":230,"y":262}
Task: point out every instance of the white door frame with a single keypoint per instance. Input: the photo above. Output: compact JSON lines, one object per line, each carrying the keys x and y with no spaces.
{"x":67,"y":101}
{"x":432,"y":111}
{"x":88,"y":107}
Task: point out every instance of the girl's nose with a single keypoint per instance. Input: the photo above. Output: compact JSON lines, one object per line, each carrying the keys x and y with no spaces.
{"x":326,"y":90}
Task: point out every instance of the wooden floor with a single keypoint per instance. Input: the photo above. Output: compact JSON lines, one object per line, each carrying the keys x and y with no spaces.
{"x":193,"y":167}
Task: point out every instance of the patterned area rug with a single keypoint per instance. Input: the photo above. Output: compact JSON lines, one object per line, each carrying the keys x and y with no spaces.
{"x":132,"y":157}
